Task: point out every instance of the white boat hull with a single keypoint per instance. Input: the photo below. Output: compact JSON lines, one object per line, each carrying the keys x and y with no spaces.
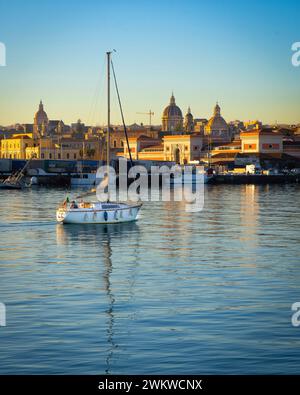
{"x":108,"y":214}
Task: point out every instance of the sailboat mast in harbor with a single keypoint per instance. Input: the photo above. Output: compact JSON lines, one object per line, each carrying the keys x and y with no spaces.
{"x":107,"y":212}
{"x":108,"y":114}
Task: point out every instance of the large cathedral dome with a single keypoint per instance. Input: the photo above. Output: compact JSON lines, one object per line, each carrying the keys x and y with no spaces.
{"x":172,"y":110}
{"x":172,"y":117}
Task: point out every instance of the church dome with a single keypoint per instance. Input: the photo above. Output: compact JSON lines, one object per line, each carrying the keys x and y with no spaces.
{"x":172,"y":110}
{"x":172,"y":119}
{"x":189,"y":115}
{"x":40,"y":116}
{"x":216,"y":122}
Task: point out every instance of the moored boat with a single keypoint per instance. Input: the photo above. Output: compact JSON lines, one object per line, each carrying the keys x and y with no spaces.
{"x":9,"y":185}
{"x":17,"y":180}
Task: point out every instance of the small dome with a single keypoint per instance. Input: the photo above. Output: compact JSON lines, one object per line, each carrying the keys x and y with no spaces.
{"x":189,"y":115}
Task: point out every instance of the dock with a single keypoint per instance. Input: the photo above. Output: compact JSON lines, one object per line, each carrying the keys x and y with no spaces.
{"x":256,"y":178}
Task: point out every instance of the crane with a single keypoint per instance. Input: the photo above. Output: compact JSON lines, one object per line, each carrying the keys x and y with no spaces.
{"x":150,"y":113}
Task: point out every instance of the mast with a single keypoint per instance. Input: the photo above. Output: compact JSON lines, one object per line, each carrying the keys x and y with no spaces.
{"x":209,"y":151}
{"x":108,"y":112}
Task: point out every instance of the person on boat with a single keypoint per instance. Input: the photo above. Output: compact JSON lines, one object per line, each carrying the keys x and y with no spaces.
{"x":66,"y":201}
{"x":74,"y":204}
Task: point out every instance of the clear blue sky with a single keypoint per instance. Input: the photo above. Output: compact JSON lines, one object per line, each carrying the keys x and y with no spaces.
{"x":238,"y":53}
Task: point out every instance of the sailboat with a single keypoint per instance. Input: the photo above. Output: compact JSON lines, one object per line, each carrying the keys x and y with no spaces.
{"x":17,"y":180}
{"x":84,"y":212}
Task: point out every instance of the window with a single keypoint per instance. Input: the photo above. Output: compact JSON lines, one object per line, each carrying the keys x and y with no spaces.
{"x":122,"y":143}
{"x":74,"y":156}
{"x":58,"y":155}
{"x":270,"y":146}
{"x":186,"y":147}
{"x":50,"y":156}
{"x":115,"y":143}
{"x":68,"y":155}
{"x":249,"y":146}
{"x":167,"y":148}
{"x":195,"y":147}
{"x":42,"y":156}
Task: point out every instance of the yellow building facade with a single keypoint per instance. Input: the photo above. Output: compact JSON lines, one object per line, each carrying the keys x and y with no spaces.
{"x":25,"y":147}
{"x":15,"y":147}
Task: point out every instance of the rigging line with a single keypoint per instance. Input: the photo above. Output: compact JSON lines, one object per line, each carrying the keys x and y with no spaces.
{"x":95,"y":98}
{"x":122,"y":115}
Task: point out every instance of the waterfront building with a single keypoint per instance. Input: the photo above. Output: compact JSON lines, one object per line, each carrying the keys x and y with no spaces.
{"x":52,"y":139}
{"x":262,"y":141}
{"x":23,"y":146}
{"x":223,"y":154}
{"x":182,"y":149}
{"x":172,"y":120}
{"x":117,"y":136}
{"x":138,"y":145}
{"x":66,"y":148}
{"x":15,"y":146}
{"x":258,"y":145}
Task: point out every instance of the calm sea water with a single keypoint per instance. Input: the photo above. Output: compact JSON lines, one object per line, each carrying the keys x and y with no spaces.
{"x":176,"y":292}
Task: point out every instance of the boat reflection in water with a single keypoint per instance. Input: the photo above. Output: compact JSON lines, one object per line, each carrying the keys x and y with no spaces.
{"x":106,"y":238}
